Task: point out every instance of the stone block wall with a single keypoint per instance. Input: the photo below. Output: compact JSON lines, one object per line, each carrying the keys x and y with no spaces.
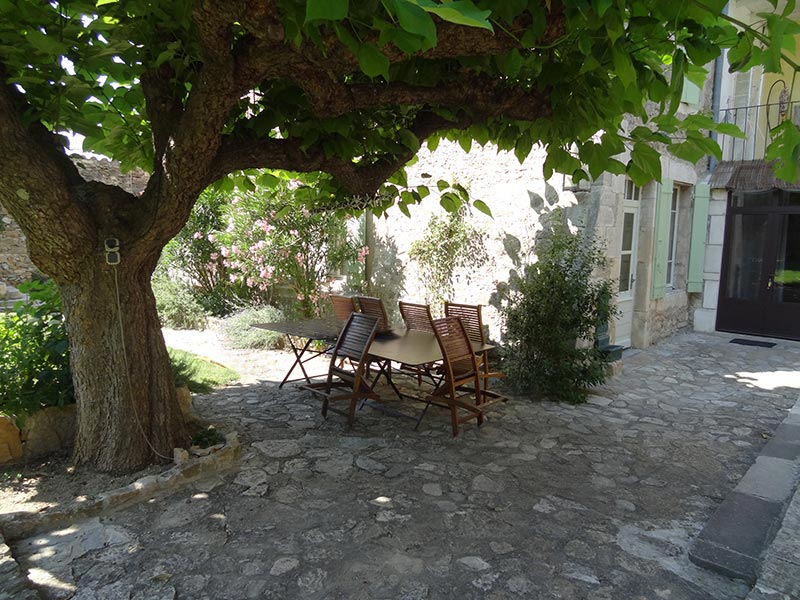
{"x":15,"y":265}
{"x":519,"y":199}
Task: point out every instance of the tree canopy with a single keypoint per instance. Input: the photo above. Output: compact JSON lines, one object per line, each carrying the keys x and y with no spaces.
{"x":353,"y":89}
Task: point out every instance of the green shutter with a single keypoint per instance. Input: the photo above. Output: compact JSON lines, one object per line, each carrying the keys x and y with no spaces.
{"x":691,"y":93}
{"x":702,"y":195}
{"x":661,"y":238}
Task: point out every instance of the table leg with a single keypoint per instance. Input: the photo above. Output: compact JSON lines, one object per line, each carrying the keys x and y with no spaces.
{"x":298,"y":360}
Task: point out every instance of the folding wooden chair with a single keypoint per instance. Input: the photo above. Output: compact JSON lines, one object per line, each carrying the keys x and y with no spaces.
{"x":342,"y":306}
{"x":375,"y":308}
{"x":470,"y":315}
{"x":461,"y":375}
{"x":418,"y":316}
{"x":348,"y":384}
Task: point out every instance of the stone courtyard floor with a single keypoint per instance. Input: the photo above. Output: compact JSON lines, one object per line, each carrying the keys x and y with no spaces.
{"x":596,"y":501}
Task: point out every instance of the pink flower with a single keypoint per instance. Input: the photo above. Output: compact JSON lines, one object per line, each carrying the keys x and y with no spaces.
{"x":225,"y":252}
{"x":197,"y":235}
{"x":214,"y":256}
{"x":211,"y":237}
{"x":232,"y":278}
{"x":235,"y":249}
{"x":293,"y":232}
{"x":300,"y":297}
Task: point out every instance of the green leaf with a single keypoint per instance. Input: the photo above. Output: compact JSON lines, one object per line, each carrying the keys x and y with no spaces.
{"x":785,"y":149}
{"x":647,"y":160}
{"x":372,"y":61}
{"x":104,"y":2}
{"x":442,"y":185}
{"x":409,"y":140}
{"x":450,"y":202}
{"x":404,"y":209}
{"x":267,"y":180}
{"x":460,"y":12}
{"x":481,"y":206}
{"x":623,"y":66}
{"x":415,"y":20}
{"x":423,"y":191}
{"x":282,"y":212}
{"x":329,"y":10}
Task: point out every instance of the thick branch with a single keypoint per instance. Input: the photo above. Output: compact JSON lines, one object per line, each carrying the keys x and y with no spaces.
{"x":41,"y":187}
{"x":260,"y":57}
{"x":363,"y":177}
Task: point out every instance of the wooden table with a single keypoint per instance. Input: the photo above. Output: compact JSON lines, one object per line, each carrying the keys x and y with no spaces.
{"x":312,"y":330}
{"x":409,"y":347}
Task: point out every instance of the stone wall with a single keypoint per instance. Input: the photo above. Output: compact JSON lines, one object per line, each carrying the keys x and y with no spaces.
{"x":518,"y":197}
{"x":15,"y":265}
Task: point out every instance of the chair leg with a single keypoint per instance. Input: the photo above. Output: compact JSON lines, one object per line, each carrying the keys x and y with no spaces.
{"x":325,"y":407}
{"x":454,"y":419}
{"x":351,"y":414}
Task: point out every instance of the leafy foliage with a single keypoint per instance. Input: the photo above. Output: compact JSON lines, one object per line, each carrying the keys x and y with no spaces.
{"x":176,"y":306}
{"x":81,"y":65}
{"x":284,"y":253}
{"x":195,"y":254}
{"x":548,"y":310}
{"x":34,"y":353}
{"x":240,"y":334}
{"x":449,"y":245}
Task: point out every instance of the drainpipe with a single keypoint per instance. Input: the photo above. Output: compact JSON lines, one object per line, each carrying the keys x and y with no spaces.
{"x":369,"y":242}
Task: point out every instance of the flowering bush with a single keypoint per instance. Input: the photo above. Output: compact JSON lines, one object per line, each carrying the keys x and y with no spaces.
{"x":194,"y":255}
{"x":280,"y":251}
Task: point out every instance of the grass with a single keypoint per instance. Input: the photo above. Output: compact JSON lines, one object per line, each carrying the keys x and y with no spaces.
{"x":199,"y":374}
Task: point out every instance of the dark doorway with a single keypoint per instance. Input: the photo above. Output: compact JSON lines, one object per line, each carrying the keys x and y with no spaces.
{"x":760,"y":284}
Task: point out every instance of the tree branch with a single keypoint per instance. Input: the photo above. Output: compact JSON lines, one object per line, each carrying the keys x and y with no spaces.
{"x":43,"y":200}
{"x":363,"y":177}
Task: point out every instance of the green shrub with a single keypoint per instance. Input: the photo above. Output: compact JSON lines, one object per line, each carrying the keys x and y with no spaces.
{"x":449,"y":244}
{"x":34,"y":353}
{"x":240,"y":334}
{"x":177,"y":307}
{"x":548,"y":311}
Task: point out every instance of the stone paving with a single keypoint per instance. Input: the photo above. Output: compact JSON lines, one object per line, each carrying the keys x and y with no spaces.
{"x":544,"y":501}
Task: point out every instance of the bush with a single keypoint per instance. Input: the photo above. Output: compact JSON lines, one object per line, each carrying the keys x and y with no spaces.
{"x":177,"y":307}
{"x":195,"y":254}
{"x":548,"y":312}
{"x":34,"y":353}
{"x":240,"y":334}
{"x":449,"y":244}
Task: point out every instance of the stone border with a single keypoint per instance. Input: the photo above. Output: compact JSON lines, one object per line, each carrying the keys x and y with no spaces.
{"x":734,"y":540}
{"x":25,"y":525}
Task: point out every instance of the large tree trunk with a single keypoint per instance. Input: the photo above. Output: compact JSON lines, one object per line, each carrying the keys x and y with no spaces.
{"x":128,"y":414}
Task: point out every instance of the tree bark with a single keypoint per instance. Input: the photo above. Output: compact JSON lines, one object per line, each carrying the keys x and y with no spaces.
{"x":128,"y":414}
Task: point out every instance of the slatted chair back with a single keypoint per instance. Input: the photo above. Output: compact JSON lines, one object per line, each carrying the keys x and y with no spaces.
{"x":346,"y":381}
{"x":461,"y":387}
{"x":374,"y":307}
{"x":356,"y":336}
{"x":416,"y":316}
{"x":342,"y":306}
{"x":470,"y":315}
{"x":455,"y":345}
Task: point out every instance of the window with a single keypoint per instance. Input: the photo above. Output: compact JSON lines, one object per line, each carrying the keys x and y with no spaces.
{"x":632,"y":192}
{"x":673,"y":237}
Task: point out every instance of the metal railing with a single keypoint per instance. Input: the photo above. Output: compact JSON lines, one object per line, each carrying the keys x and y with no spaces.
{"x":756,"y":123}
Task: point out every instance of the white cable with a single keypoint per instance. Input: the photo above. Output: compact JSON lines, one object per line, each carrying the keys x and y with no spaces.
{"x":127,"y":372}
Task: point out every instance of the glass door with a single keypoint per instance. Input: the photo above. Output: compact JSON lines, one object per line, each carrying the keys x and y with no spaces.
{"x":760,"y":283}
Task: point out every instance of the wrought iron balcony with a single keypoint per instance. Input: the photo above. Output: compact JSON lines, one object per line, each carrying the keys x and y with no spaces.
{"x":756,"y":123}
